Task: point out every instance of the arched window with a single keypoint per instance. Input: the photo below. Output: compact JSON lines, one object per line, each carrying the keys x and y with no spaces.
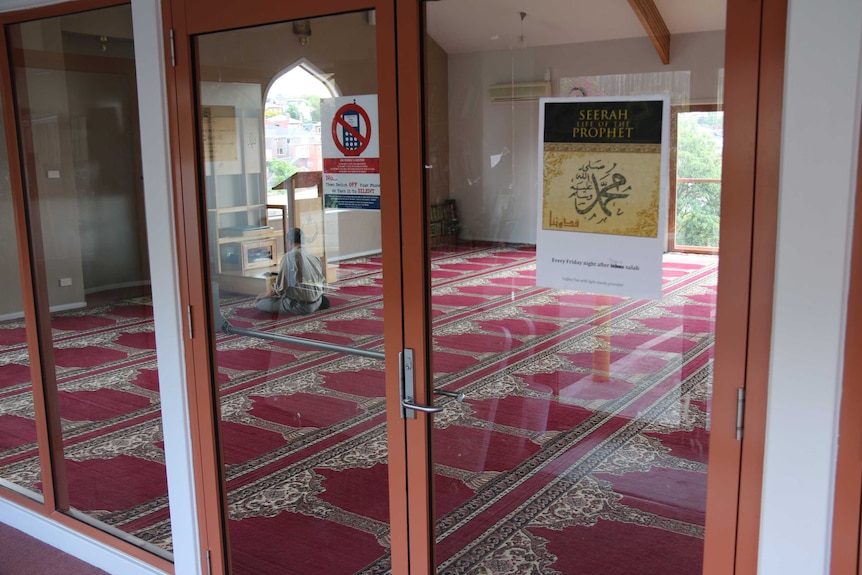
{"x":292,"y":123}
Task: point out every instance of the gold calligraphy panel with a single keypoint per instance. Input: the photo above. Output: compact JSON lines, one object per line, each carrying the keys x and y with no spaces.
{"x":602,"y":188}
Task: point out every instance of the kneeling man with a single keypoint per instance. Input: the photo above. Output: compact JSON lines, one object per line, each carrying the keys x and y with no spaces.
{"x":298,"y":288}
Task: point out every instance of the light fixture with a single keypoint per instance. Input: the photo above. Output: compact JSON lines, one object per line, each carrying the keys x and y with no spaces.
{"x":302,"y":28}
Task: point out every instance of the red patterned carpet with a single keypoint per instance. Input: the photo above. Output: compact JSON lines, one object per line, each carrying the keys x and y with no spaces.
{"x":581,"y":447}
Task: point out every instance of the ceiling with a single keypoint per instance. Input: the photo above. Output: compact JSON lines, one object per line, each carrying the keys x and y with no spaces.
{"x":461,"y":26}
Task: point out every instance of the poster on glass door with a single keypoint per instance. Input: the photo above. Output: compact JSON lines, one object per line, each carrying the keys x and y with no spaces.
{"x":351,"y":152}
{"x":603,"y":194}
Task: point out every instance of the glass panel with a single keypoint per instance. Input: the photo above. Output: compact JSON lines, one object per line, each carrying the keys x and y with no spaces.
{"x":581,"y":445}
{"x":75,"y":90}
{"x":19,"y":456}
{"x":288,"y":120}
{"x":699,"y":141}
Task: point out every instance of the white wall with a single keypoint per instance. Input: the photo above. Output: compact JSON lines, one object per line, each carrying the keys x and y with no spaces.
{"x":819,"y":147}
{"x":493,"y":147}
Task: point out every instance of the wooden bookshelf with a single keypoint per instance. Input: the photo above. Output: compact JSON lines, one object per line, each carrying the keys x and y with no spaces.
{"x":444,"y":222}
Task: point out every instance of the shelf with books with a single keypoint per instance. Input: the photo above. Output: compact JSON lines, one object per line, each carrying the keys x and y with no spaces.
{"x":444,"y":223}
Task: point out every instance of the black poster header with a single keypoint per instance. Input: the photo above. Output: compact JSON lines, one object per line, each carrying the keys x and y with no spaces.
{"x":624,"y":122}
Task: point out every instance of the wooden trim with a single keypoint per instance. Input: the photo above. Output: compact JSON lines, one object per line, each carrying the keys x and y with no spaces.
{"x":742,"y":59}
{"x":754,"y":64}
{"x":653,"y":23}
{"x":672,"y":160}
{"x":203,"y":407}
{"x":72,"y":62}
{"x":39,"y":333}
{"x":770,"y":104}
{"x":417,"y":282}
{"x":55,"y":10}
{"x":695,"y":250}
{"x":203,"y":18}
{"x":24,"y":501}
{"x":25,"y":264}
{"x":846,"y":529}
{"x":103,"y":537}
{"x":397,"y":268}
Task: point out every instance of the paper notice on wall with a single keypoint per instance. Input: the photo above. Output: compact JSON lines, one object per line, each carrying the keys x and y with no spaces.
{"x":351,"y":152}
{"x":603,"y":194}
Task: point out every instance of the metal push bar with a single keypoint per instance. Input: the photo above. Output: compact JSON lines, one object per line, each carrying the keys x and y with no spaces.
{"x":220,"y":323}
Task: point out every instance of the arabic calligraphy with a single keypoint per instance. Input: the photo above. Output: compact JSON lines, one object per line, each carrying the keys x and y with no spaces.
{"x":597,"y":186}
{"x":603,"y":191}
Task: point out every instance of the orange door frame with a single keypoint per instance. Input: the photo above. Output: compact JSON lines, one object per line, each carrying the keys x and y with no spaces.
{"x":846,"y":530}
{"x":754,"y":84}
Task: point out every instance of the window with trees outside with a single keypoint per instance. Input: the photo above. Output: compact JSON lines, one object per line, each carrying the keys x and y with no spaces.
{"x":292,"y":126}
{"x":696,"y":179}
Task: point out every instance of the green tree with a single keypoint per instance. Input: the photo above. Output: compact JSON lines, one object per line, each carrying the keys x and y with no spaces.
{"x":279,"y":170}
{"x":698,"y":204}
{"x":314,"y":105}
{"x":293,"y":112}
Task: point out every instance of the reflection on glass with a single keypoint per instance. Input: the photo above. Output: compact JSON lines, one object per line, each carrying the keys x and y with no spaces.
{"x":75,"y":88}
{"x":581,"y":445}
{"x":303,"y":434}
{"x":19,"y":464}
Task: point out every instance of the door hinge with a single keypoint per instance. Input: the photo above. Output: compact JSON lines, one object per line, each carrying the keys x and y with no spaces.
{"x":740,"y":412}
{"x":209,"y":563}
{"x":189,"y":314}
{"x":173,"y":50}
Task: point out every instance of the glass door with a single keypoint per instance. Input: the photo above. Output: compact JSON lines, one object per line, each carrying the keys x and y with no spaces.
{"x":574,"y":356}
{"x":295,"y":180}
{"x":569,"y":418}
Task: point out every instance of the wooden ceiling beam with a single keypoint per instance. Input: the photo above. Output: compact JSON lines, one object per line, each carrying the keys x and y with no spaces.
{"x":654,"y":25}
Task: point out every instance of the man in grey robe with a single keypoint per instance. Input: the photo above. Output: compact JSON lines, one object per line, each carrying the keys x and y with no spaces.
{"x":298,"y":287}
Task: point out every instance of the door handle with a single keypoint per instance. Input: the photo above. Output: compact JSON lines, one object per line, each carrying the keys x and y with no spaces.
{"x":407,"y":403}
{"x":459,"y":397}
{"x":408,"y":408}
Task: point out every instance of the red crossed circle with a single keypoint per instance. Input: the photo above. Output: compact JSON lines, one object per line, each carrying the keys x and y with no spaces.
{"x":363,"y":139}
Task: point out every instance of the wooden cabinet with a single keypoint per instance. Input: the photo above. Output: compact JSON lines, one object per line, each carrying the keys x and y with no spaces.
{"x":245,"y":255}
